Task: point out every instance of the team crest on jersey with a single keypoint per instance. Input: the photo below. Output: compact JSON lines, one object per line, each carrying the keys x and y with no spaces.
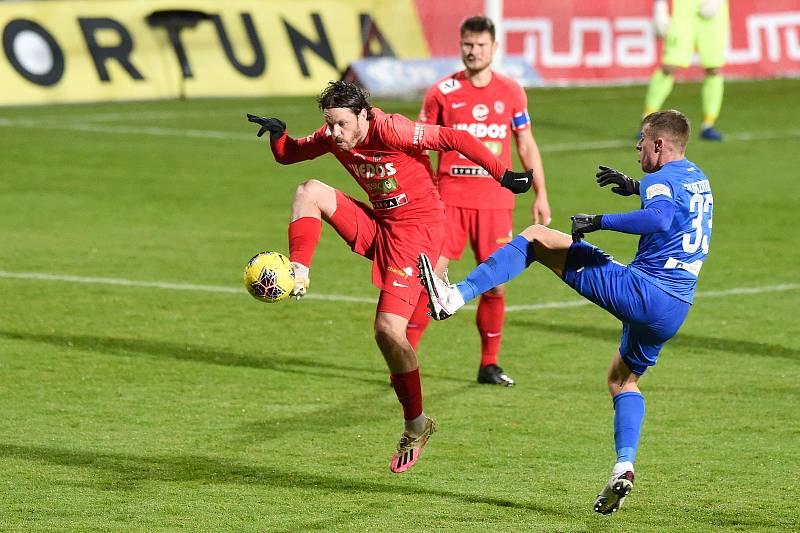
{"x":480,"y":112}
{"x":450,"y":85}
{"x":499,"y":107}
{"x":377,"y":156}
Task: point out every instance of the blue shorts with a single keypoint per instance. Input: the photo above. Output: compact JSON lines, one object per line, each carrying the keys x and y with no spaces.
{"x":650,"y":316}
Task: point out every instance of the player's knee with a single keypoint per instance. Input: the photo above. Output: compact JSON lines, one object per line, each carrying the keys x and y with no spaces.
{"x":386,"y":333}
{"x":498,"y":291}
{"x":712,"y":71}
{"x":531,"y":233}
{"x":669,"y":70}
{"x":309,"y":189}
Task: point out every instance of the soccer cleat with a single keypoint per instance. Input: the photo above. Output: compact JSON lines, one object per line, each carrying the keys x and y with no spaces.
{"x":301,"y":280}
{"x":710,"y":133}
{"x":410,"y":448}
{"x":440,"y":292}
{"x":494,"y":375}
{"x":613,"y":494}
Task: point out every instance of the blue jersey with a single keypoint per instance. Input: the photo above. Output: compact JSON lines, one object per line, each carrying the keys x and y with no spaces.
{"x":672,"y":259}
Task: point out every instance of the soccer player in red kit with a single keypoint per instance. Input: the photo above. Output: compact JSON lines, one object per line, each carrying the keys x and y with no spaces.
{"x":491,"y":107}
{"x":387,"y":156}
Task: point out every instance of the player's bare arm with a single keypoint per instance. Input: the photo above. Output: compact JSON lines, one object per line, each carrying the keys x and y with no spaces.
{"x":530,"y":157}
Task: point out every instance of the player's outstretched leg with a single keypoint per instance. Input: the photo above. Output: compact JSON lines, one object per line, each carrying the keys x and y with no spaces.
{"x":503,"y":265}
{"x":613,"y":494}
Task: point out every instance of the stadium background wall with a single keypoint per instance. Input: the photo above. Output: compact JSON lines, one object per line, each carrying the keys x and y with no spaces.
{"x":612,"y":41}
{"x":88,"y":51}
{"x":77,"y":51}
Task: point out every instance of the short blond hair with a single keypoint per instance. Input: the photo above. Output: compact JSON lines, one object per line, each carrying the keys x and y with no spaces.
{"x":671,"y":124}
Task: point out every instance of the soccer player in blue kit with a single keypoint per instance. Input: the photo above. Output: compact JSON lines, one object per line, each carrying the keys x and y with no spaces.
{"x":651,"y":295}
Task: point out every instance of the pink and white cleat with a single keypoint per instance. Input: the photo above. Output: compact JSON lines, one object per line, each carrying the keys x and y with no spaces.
{"x":410,"y":448}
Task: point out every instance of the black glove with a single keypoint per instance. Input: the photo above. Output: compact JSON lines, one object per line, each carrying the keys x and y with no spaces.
{"x":274,"y":126}
{"x":584,"y":224}
{"x":517,"y":182}
{"x":625,"y":186}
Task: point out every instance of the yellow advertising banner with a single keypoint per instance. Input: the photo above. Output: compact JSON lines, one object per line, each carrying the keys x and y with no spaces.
{"x":63,"y":51}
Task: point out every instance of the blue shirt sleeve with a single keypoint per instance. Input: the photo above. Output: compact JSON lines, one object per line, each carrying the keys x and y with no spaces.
{"x":655,"y":217}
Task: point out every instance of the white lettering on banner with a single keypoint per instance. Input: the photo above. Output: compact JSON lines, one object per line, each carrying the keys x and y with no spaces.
{"x":622,"y":41}
{"x":629,"y":41}
{"x":771,"y":25}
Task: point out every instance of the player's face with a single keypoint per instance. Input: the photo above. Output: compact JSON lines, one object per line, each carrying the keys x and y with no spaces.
{"x":477,"y":50}
{"x":649,"y":151}
{"x":347,"y":129}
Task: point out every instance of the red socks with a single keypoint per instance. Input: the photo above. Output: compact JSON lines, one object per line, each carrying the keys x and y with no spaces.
{"x":408,"y":388}
{"x":304,"y":235}
{"x":491,"y":312}
{"x":418,"y":321}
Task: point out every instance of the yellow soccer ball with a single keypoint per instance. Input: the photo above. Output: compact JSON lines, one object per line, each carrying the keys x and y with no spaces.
{"x":269,"y":277}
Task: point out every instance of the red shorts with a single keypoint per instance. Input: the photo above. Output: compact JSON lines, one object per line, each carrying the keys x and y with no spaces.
{"x":488,"y":230}
{"x":393,"y":248}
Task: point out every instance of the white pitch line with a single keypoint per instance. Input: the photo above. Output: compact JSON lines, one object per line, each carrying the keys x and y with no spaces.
{"x":239,"y":136}
{"x":130,"y":130}
{"x":162,"y":285}
{"x":37,"y":276}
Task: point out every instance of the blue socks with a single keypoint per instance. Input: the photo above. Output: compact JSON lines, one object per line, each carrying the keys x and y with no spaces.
{"x":506,"y":263}
{"x":628,"y":417}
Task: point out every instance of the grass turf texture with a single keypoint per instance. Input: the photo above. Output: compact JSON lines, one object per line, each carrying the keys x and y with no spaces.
{"x":139,"y":408}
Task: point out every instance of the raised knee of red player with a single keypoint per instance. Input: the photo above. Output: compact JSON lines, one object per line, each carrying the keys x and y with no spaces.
{"x":408,"y":388}
{"x":490,"y":316}
{"x":419,"y":321}
{"x":304,"y":234}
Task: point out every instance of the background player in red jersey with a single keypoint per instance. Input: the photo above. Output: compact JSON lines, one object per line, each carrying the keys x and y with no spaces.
{"x":491,"y":107}
{"x":387,"y":156}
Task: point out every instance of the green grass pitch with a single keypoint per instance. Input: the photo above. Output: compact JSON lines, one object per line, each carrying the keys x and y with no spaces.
{"x":142,"y":389}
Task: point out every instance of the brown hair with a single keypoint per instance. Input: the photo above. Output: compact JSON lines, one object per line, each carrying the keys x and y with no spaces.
{"x":345,"y":94}
{"x":478,"y":24}
{"x":671,"y":124}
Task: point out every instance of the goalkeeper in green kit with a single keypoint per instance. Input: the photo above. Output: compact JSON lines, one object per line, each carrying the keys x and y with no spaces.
{"x":695,"y":25}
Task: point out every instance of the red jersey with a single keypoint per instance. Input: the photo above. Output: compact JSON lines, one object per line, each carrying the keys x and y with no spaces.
{"x":489,"y":113}
{"x":392,"y":164}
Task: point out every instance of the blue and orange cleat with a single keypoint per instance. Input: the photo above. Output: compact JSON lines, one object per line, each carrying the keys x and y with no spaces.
{"x":710,"y":133}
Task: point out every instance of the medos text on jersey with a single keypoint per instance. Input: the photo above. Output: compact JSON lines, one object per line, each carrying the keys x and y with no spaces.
{"x":483,"y":131}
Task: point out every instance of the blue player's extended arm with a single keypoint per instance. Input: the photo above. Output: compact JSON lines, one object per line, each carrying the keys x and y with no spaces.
{"x":654,"y":218}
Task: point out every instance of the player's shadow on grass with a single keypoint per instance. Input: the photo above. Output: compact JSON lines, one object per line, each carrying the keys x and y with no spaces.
{"x":199,"y":354}
{"x":187,"y":352}
{"x":681,"y":341}
{"x":124,"y":471}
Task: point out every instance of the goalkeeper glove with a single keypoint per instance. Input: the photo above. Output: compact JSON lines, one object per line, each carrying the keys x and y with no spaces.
{"x":661,"y":18}
{"x":582,"y":224}
{"x":709,"y":8}
{"x":517,"y":182}
{"x":625,"y":186}
{"x":274,"y":126}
